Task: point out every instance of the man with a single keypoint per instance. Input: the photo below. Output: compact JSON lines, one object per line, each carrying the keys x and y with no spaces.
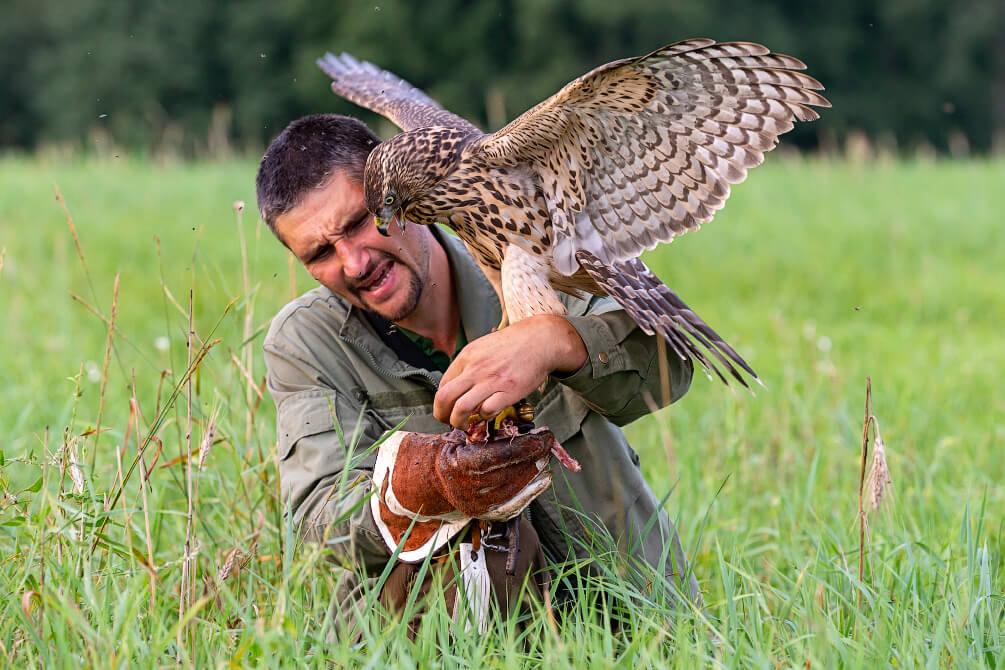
{"x":400,"y":330}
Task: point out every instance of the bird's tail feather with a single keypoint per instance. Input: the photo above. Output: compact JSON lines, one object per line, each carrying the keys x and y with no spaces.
{"x":657,"y":309}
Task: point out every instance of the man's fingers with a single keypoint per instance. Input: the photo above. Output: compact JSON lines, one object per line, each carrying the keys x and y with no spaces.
{"x":447,"y":396}
{"x":497,"y":402}
{"x":468,"y":404}
{"x":453,"y":370}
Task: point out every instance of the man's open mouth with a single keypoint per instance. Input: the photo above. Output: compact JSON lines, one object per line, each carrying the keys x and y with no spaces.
{"x":376,"y":279}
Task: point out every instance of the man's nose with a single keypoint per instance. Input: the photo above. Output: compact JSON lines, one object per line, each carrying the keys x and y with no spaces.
{"x":355,"y":258}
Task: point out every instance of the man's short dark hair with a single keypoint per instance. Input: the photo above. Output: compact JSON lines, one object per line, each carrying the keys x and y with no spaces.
{"x":305,"y":156}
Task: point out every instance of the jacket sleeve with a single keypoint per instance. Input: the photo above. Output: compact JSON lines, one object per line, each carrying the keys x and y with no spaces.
{"x":621,"y":376}
{"x":325,"y":475}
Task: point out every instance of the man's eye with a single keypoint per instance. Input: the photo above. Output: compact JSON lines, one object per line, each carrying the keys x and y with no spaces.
{"x":321,"y":253}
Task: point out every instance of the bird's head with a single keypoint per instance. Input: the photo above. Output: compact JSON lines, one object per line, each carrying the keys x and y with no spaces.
{"x":404,"y":169}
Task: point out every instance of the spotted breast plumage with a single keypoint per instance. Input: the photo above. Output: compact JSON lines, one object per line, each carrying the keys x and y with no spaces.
{"x":568,"y":196}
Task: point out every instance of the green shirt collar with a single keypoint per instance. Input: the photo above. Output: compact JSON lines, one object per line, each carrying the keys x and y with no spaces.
{"x":439,"y":358}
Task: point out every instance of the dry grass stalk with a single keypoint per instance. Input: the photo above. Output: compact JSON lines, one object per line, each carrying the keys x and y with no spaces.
{"x":661,"y":353}
{"x":63,"y":452}
{"x":134,"y":411}
{"x":104,"y":319}
{"x":861,"y":486}
{"x":109,"y":340}
{"x":248,"y":327}
{"x":204,"y":447}
{"x":45,"y":522}
{"x":29,"y":601}
{"x":174,"y":301}
{"x":872,"y":487}
{"x":247,"y":376}
{"x":187,"y":577}
{"x":76,"y":239}
{"x":118,"y":463}
{"x":160,"y":387}
{"x":666,"y":435}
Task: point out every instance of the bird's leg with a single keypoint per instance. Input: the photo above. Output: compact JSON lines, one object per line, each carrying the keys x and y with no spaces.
{"x":495,"y":279}
{"x":511,"y":421}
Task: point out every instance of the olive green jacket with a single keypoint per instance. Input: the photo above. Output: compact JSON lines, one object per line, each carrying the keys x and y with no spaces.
{"x":326,"y":364}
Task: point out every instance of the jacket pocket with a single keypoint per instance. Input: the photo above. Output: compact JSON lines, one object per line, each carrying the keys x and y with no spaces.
{"x":304,"y":414}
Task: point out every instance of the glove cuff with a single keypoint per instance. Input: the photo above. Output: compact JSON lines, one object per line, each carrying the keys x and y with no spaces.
{"x":417,"y":534}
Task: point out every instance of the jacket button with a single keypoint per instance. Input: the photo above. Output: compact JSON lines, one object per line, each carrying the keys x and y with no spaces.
{"x":603,"y":357}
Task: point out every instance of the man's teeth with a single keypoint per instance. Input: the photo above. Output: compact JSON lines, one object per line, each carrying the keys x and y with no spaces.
{"x":380,"y":279}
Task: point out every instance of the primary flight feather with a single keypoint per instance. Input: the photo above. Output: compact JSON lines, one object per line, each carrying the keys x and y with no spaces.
{"x":569,"y":195}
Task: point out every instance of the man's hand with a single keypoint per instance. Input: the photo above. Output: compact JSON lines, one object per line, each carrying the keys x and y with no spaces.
{"x":503,"y":367}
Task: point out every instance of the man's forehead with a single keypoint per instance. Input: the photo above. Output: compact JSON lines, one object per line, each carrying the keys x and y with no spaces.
{"x":333,"y":204}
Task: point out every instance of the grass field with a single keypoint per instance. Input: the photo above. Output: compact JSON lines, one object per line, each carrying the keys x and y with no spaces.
{"x":820,"y":273}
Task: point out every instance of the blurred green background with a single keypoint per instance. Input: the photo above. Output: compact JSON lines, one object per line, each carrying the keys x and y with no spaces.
{"x":196,"y":78}
{"x":870,"y":244}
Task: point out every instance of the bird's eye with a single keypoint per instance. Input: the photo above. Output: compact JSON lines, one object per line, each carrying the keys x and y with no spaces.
{"x":389,"y":200}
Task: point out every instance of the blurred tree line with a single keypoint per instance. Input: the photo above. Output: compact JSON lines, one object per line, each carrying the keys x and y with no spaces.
{"x":199,"y":77}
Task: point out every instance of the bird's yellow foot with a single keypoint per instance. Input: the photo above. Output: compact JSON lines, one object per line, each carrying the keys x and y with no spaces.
{"x":507,"y":413}
{"x":513,"y":420}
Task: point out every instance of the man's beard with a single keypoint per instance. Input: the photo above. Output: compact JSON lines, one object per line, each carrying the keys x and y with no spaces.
{"x":413,"y":293}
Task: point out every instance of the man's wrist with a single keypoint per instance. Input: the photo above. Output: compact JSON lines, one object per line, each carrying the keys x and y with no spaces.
{"x":569,"y":350}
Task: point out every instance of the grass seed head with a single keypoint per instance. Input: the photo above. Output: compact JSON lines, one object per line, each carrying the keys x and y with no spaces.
{"x":207,"y":441}
{"x":878,"y":480}
{"x":73,"y":466}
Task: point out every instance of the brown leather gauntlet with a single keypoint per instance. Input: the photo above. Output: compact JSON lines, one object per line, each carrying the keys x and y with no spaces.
{"x":436,"y":483}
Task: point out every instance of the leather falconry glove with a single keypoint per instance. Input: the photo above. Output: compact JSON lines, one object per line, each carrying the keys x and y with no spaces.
{"x":435,"y":484}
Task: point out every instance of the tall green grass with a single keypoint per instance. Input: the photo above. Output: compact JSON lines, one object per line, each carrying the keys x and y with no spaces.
{"x":820,"y":273}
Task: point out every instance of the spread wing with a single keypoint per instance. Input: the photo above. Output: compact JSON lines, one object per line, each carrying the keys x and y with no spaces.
{"x":382,"y":92}
{"x":657,"y":309}
{"x":640,"y":150}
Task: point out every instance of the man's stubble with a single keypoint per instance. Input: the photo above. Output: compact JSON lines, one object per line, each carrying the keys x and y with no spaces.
{"x":418,"y":275}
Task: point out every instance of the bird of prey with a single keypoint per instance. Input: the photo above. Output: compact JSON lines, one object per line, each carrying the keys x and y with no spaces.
{"x":568,"y":196}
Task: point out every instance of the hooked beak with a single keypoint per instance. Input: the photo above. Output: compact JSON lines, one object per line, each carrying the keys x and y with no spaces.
{"x":384,"y":219}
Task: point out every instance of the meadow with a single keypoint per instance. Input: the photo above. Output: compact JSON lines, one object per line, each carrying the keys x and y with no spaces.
{"x":820,"y":272}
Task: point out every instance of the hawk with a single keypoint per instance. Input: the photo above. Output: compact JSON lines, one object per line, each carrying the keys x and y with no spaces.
{"x":568,"y":196}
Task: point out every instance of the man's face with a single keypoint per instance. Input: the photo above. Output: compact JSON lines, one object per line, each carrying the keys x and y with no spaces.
{"x":334,"y":236}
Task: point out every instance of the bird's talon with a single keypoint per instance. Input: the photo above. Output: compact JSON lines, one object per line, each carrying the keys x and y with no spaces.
{"x":507,"y":413}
